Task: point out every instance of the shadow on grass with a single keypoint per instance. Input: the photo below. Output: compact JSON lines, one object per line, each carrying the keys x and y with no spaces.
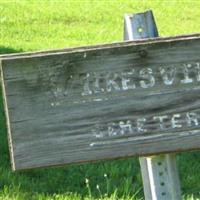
{"x":7,"y":50}
{"x":123,"y":175}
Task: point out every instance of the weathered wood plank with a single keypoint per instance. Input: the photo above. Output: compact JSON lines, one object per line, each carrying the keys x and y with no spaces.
{"x":103,"y":102}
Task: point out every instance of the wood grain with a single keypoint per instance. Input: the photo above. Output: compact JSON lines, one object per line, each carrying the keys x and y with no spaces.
{"x":102,"y":102}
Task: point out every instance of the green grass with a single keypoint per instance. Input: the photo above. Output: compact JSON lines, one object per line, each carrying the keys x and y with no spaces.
{"x":38,"y":25}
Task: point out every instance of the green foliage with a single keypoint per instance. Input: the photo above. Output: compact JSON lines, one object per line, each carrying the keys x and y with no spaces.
{"x":38,"y":25}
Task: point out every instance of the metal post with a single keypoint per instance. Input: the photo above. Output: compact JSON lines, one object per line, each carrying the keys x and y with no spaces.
{"x":159,"y":173}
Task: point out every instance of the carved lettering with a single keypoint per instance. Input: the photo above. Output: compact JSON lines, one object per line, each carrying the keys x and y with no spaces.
{"x":86,"y":85}
{"x":126,"y":80}
{"x":147,"y":75}
{"x":175,"y":122}
{"x":168,"y":75}
{"x":140,"y":125}
{"x":97,"y":88}
{"x":192,"y":119}
{"x":111,"y":130}
{"x":198,"y":70}
{"x":161,"y":120}
{"x":111,"y":82}
{"x":125,"y":127}
{"x":186,"y":71}
{"x":97,"y":83}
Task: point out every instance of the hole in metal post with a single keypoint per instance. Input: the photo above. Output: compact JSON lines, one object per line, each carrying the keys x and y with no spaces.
{"x":162,"y":183}
{"x":160,"y":173}
{"x":163,"y":193}
{"x":140,"y":30}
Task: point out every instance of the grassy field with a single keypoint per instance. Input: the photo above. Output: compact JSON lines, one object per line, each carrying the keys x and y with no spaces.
{"x":38,"y":25}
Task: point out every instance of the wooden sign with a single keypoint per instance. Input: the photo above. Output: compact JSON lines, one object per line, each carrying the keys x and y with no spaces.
{"x":102,"y":102}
